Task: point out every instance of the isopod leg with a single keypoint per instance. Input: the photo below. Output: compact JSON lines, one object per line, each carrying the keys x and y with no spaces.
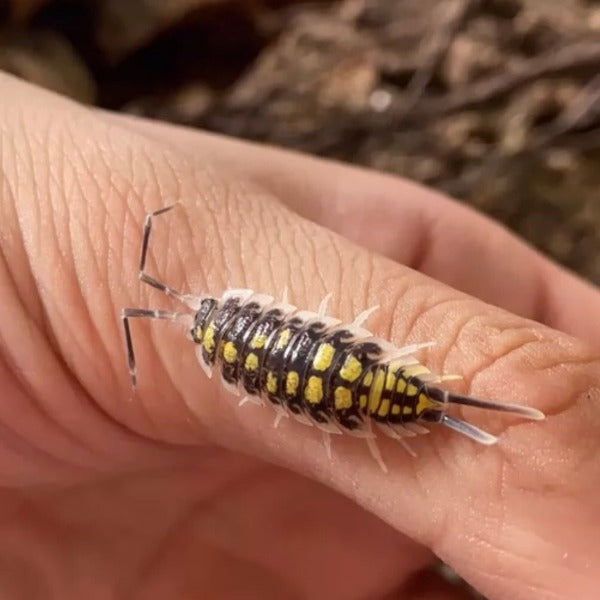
{"x":375,"y":453}
{"x":137,"y":313}
{"x":251,"y":400}
{"x":322,"y":310}
{"x":396,"y":435}
{"x":192,"y":302}
{"x":280,"y":413}
{"x":362,"y":317}
{"x":327,"y":443}
{"x":373,"y":447}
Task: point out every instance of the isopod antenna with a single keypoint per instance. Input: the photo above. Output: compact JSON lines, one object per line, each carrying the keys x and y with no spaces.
{"x":446,"y":398}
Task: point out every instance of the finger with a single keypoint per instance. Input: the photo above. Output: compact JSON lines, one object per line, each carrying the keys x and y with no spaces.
{"x":509,"y":518}
{"x":407,"y":223}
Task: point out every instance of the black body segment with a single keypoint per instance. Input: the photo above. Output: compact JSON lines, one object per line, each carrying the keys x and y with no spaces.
{"x":320,"y":369}
{"x":273,"y":367}
{"x":234,"y":338}
{"x":300,"y":352}
{"x":257,"y":347}
{"x":351,"y":381}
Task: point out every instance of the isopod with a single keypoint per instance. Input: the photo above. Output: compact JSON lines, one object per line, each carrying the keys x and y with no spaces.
{"x":307,"y":365}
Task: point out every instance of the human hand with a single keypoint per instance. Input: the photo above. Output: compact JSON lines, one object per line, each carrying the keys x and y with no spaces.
{"x":172,"y":491}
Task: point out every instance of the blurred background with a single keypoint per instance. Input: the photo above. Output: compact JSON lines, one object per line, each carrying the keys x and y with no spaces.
{"x":496,"y":102}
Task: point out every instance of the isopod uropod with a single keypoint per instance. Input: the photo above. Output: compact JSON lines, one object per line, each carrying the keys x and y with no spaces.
{"x":312,"y":367}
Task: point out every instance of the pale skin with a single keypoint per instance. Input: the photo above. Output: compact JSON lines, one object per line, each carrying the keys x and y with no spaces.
{"x":175,"y":491}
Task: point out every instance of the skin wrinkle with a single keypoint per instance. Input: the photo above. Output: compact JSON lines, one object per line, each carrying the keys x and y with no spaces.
{"x":298,"y":262}
{"x":338,"y":271}
{"x":488,"y":361}
{"x":251,"y":249}
{"x":265,"y":254}
{"x":30,"y":443}
{"x":316,"y":252}
{"x":229,"y":220}
{"x":436,"y":356}
{"x":366,"y":286}
{"x":41,"y":317}
{"x":421,"y":315}
{"x":73,"y":217}
{"x":26,"y":387}
{"x":328,"y":246}
{"x":100,"y":350}
{"x":283,"y":222}
{"x":212,"y":210}
{"x":46,"y":331}
{"x":270,"y":259}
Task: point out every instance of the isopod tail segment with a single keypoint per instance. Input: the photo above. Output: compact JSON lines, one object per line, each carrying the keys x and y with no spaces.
{"x":131,"y":313}
{"x":445,"y":398}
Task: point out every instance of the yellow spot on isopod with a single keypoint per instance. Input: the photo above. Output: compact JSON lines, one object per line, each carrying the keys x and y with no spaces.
{"x":362,"y":400}
{"x":284,"y":338}
{"x":229,"y":352}
{"x":424,"y":403}
{"x":407,"y":410}
{"x":313,"y":392}
{"x":408,"y":389}
{"x":376,"y":390}
{"x":396,"y":409}
{"x":209,"y":338}
{"x":323,"y":357}
{"x":251,"y":362}
{"x":342,"y":397}
{"x":384,"y":408}
{"x":368,"y":380}
{"x":271,"y":383}
{"x":389,"y":381}
{"x":351,"y":369}
{"x":197,"y":333}
{"x":291,"y":383}
{"x":258,"y":341}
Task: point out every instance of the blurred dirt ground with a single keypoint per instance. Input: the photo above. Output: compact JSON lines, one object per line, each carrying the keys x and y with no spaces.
{"x":496,"y":102}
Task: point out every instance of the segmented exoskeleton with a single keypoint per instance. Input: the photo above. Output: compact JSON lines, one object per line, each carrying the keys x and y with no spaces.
{"x":314,"y":368}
